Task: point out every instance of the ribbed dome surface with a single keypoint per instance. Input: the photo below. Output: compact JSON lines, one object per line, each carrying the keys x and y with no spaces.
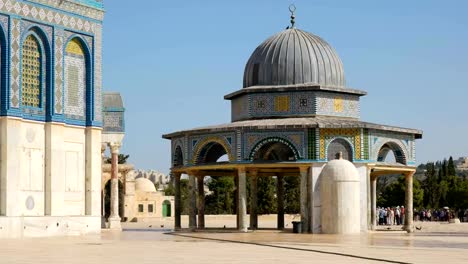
{"x":293,"y":57}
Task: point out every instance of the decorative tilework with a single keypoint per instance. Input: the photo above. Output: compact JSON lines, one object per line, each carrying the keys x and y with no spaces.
{"x":75,"y":86}
{"x":267,"y":140}
{"x":113,"y":122}
{"x":338,"y":104}
{"x":251,"y":139}
{"x":311,"y":146}
{"x":212,"y":139}
{"x":31,"y":73}
{"x":15,"y":61}
{"x":56,"y":16}
{"x":98,"y":74}
{"x":282,"y":103}
{"x":332,"y":105}
{"x":59,"y":43}
{"x":352,"y":135}
{"x":25,"y":25}
{"x":401,"y":142}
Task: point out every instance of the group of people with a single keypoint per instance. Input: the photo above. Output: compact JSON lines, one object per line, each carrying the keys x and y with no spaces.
{"x":391,"y":215}
{"x":443,"y":214}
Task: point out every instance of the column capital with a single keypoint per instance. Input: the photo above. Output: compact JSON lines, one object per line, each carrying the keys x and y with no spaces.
{"x":304,"y":169}
{"x":115,"y":147}
{"x":195,"y":173}
{"x":410,"y":174}
{"x":253,"y":172}
{"x":241,"y":170}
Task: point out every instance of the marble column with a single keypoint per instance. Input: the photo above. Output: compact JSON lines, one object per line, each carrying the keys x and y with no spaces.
{"x":114,"y":218}
{"x":253,"y":201}
{"x":409,"y":203}
{"x":177,"y":202}
{"x":103,"y":192}
{"x":373,"y":193}
{"x":280,"y":197}
{"x":236,"y":199}
{"x":201,"y":202}
{"x":304,"y":189}
{"x":192,"y":201}
{"x":242,"y":202}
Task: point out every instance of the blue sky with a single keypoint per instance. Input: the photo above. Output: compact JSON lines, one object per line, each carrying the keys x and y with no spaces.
{"x":173,"y":61}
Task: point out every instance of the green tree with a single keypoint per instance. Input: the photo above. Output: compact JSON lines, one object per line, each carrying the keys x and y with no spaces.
{"x":122,"y":159}
{"x":266,"y":195}
{"x":292,"y":195}
{"x":221,"y":199}
{"x":394,"y":194}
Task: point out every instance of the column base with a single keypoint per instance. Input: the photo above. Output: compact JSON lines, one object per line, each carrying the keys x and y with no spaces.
{"x":409,"y":229}
{"x":114,"y":223}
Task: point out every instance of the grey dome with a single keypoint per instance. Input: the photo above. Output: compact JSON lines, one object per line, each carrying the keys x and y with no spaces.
{"x":293,"y":57}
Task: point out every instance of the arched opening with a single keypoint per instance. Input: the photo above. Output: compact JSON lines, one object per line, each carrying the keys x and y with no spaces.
{"x":36,"y":73}
{"x":391,"y":152}
{"x":212,"y":152}
{"x":338,"y":146}
{"x":107,"y":199}
{"x":166,"y":209}
{"x":178,"y":160}
{"x":390,"y":196}
{"x":275,"y":151}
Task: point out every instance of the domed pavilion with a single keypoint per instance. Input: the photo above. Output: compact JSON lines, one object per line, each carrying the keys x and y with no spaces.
{"x":293,"y":115}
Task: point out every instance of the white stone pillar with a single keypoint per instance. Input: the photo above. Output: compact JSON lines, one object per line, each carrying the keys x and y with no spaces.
{"x":373,"y":191}
{"x":192,"y":201}
{"x":114,"y":218}
{"x":253,"y":201}
{"x":304,"y":189}
{"x":242,"y":202}
{"x":409,"y":203}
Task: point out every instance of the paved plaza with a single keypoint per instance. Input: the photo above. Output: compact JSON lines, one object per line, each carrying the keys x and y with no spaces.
{"x":151,"y":243}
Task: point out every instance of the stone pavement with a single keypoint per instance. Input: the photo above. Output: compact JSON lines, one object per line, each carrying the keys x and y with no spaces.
{"x":154,"y":244}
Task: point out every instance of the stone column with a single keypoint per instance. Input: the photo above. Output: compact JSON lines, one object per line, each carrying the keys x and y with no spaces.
{"x":236,"y":199}
{"x":409,"y":203}
{"x":304,"y":189}
{"x":103,"y":200}
{"x":280,"y":196}
{"x":192,"y":201}
{"x":201,"y":202}
{"x":373,"y":193}
{"x":253,"y":201}
{"x":242,"y":202}
{"x":177,"y":202}
{"x":114,"y":218}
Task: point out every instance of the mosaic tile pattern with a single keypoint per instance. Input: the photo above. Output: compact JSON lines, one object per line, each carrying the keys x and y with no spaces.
{"x":178,"y":142}
{"x":197,"y":142}
{"x":352,"y":135}
{"x":15,"y":61}
{"x":59,"y":46}
{"x":75,"y":82}
{"x":377,"y":139}
{"x":26,"y":25}
{"x":92,"y":11}
{"x":98,"y":75}
{"x":113,"y":122}
{"x":269,"y":139}
{"x":31,"y":73}
{"x":32,"y":11}
{"x":337,"y":105}
{"x":295,"y":104}
{"x":252,"y":139}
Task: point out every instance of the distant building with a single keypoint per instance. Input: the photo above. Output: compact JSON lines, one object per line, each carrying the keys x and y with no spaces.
{"x":462,"y":164}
